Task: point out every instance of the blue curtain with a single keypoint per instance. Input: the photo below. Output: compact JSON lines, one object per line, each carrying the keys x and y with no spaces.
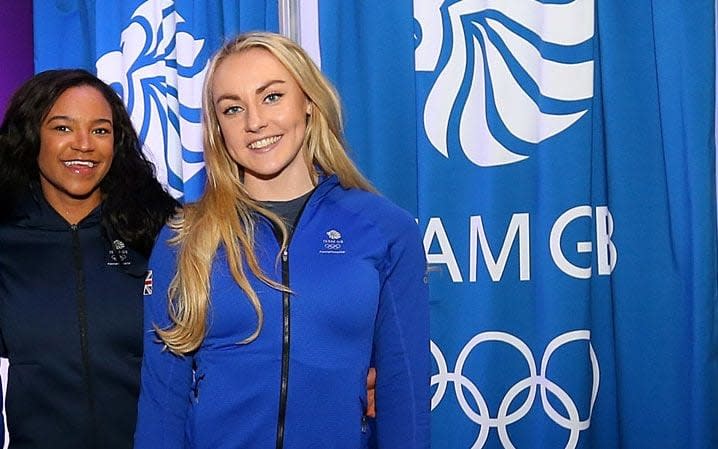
{"x":154,"y":53}
{"x":367,"y":52}
{"x":657,"y":77}
{"x":562,"y":160}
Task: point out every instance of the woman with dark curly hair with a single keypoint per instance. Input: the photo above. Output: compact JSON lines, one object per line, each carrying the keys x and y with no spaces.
{"x":79,"y":211}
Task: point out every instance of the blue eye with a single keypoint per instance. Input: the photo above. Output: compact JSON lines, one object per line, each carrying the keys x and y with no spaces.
{"x":273,"y":97}
{"x":232,"y":110}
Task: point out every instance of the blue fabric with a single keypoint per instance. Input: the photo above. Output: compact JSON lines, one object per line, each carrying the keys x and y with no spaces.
{"x":565,"y":185}
{"x":367,"y":52}
{"x":660,"y":161}
{"x":154,"y":54}
{"x":356,"y":271}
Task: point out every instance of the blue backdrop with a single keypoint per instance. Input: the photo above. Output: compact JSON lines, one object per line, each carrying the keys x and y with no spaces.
{"x":565,"y":185}
{"x":560,"y":158}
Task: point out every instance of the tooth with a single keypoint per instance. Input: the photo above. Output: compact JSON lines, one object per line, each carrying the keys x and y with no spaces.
{"x":263,"y":142}
{"x":83,"y":163}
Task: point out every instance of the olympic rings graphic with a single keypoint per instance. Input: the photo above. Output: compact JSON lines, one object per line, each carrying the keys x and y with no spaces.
{"x":537,"y":378}
{"x":332,"y":245}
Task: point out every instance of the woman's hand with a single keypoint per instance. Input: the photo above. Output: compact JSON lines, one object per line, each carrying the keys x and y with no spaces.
{"x":370,"y":392}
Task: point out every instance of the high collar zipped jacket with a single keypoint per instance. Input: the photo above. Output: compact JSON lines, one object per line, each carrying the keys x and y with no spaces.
{"x":71,"y":327}
{"x":356,"y":270}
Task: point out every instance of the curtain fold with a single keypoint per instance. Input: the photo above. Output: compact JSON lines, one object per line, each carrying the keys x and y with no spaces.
{"x":659,"y":89}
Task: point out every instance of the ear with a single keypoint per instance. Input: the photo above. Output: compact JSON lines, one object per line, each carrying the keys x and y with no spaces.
{"x":309,"y":107}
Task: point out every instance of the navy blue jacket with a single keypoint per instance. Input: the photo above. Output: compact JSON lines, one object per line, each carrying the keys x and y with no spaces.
{"x":356,"y":267}
{"x":71,"y":325}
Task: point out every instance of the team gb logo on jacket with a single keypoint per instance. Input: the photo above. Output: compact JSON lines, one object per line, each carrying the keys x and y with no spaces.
{"x":333,"y":243}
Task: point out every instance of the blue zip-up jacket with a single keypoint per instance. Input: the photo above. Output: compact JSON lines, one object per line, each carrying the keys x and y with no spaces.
{"x":71,"y":326}
{"x":356,"y":268}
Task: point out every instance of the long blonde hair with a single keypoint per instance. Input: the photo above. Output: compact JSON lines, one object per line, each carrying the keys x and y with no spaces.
{"x":207,"y":224}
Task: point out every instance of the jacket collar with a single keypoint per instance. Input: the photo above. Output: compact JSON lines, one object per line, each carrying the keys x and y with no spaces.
{"x":33,"y":211}
{"x":326,"y":184}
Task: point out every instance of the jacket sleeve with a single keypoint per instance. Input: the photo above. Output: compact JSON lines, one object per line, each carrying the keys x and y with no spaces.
{"x":166,"y":379}
{"x":401,"y":345}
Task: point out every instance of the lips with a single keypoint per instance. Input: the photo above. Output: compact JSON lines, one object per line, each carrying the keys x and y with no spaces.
{"x":264,"y":143}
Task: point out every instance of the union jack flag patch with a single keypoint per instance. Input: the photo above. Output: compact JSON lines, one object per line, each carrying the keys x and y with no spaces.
{"x":147,"y":289}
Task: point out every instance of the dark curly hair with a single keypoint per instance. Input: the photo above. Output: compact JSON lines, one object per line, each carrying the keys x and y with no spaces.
{"x":134,"y":206}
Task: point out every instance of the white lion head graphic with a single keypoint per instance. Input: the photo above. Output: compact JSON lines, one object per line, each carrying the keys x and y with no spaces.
{"x":506,"y":60}
{"x":160,"y":78}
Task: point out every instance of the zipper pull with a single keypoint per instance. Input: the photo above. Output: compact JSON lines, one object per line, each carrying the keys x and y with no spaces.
{"x":285,"y":255}
{"x":364,"y":424}
{"x":73,"y":227}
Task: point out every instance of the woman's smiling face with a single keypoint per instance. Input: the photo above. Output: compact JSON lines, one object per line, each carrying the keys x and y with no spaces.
{"x":262,"y":113}
{"x":76,"y":149}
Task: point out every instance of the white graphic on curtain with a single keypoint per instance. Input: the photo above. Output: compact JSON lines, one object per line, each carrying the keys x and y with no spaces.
{"x":163,"y":104}
{"x":479,"y":31}
{"x":536,"y":378}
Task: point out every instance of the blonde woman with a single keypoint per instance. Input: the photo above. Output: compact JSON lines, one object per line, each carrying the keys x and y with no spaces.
{"x":277,"y":290}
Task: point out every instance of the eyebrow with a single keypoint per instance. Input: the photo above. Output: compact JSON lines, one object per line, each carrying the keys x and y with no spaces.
{"x":260,"y":89}
{"x":264,"y":86}
{"x":70,"y":119}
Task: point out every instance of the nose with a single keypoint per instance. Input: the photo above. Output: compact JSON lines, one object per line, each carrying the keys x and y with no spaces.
{"x":255,"y":120}
{"x":83,"y":141}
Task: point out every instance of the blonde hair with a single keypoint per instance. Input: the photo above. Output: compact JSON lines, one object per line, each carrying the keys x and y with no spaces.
{"x":204,"y":226}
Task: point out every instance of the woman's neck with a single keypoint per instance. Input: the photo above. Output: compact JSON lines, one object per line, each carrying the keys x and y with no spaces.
{"x":276,"y":189}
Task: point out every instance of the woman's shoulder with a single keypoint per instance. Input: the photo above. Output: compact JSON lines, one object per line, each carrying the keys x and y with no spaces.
{"x":165,"y":243}
{"x":376,"y":208}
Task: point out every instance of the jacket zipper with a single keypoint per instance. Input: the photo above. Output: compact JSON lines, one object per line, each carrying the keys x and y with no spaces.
{"x":82,"y":322}
{"x":284,"y":383}
{"x":285,"y":352}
